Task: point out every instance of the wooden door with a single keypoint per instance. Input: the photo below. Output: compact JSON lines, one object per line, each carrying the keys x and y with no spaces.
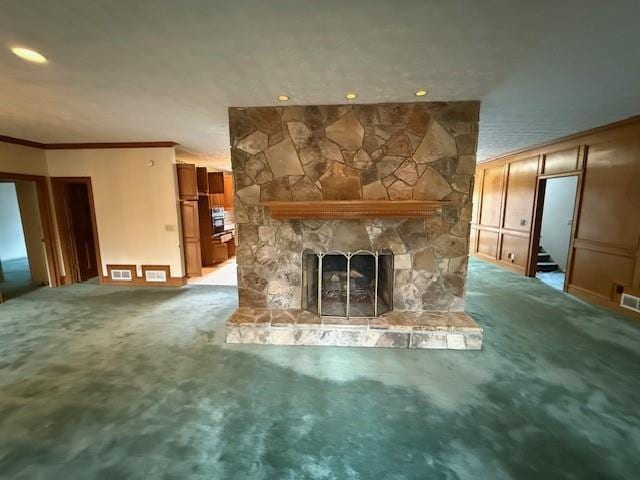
{"x":187,"y":181}
{"x":228,"y":191}
{"x":191,"y":237}
{"x":80,"y":232}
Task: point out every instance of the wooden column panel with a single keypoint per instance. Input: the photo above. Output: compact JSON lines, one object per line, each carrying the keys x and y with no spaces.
{"x":561,"y":161}
{"x":488,"y":243}
{"x":514,"y":250}
{"x":520,"y":192}
{"x":492,"y":186}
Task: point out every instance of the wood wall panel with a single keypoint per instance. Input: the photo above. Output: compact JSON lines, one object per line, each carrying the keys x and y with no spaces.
{"x":561,"y":161}
{"x":521,"y":186}
{"x":599,"y":272}
{"x":488,"y":243}
{"x":492,"y":186}
{"x":605,"y":246}
{"x":518,"y":246}
{"x":611,"y":200}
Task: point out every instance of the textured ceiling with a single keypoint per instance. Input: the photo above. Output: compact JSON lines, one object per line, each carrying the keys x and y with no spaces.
{"x":143,"y":70}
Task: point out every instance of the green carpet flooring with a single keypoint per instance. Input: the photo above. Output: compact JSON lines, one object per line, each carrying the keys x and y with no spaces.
{"x":136,"y":383}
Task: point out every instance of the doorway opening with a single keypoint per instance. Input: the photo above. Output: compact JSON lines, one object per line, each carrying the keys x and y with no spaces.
{"x":75,"y":213}
{"x":208,"y":225}
{"x":23,"y":261}
{"x":558,"y":195}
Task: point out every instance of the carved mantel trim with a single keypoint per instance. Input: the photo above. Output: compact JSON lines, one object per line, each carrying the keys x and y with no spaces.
{"x":354,"y":209}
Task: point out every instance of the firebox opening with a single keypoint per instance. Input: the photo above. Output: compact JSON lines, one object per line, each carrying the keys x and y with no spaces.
{"x":339,"y":284}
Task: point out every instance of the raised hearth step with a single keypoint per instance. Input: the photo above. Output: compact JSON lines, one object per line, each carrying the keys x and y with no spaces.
{"x":437,"y":330}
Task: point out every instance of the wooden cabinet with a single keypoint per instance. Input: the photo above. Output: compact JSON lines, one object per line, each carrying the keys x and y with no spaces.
{"x":206,"y":230}
{"x":202,"y":179}
{"x":220,"y":252}
{"x":187,"y":181}
{"x":191,"y":237}
{"x":228,"y":191}
{"x":216,"y":182}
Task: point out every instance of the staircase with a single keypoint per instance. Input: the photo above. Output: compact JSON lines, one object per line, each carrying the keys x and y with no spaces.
{"x":545,"y":262}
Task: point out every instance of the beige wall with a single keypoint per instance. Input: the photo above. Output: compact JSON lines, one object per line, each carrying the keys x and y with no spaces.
{"x":24,"y":160}
{"x":30,"y":215}
{"x":136,"y":204}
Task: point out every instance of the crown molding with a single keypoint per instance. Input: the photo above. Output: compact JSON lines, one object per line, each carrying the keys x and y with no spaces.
{"x":20,"y":141}
{"x":77,"y":146}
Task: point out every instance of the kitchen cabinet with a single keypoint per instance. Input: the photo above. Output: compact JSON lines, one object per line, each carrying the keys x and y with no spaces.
{"x":191,"y":237}
{"x":216,"y":182}
{"x":187,"y":182}
{"x":228,"y":191}
{"x":202,"y":179}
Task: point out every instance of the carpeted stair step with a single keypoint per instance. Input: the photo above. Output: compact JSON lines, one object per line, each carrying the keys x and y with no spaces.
{"x":547,"y":267}
{"x":544,"y":257}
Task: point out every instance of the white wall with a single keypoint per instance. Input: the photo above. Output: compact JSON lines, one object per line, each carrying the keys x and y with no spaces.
{"x":559,"y":200}
{"x":136,"y":205}
{"x":12,"y":244}
{"x":24,"y":160}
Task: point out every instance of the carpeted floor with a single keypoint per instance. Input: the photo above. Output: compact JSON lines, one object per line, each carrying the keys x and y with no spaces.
{"x":125,"y":383}
{"x":17,"y":278}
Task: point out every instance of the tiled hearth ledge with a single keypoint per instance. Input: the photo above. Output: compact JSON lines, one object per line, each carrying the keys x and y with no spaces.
{"x":438,"y":330}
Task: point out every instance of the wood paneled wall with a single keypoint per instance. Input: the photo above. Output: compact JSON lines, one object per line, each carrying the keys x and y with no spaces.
{"x":604,"y":257}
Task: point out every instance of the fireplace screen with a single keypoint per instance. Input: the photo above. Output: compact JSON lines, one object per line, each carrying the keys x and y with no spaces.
{"x":338,"y":284}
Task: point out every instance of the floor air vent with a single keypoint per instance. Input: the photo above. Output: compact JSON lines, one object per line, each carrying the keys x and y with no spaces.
{"x":630,"y":302}
{"x":155,"y":276}
{"x":121,"y":275}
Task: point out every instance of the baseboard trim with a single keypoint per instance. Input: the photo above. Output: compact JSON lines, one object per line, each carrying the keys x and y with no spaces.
{"x":499,"y":263}
{"x":141,"y":281}
{"x":601,"y":301}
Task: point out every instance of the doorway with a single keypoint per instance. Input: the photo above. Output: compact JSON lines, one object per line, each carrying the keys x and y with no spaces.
{"x":23,"y":262}
{"x":555,"y":229}
{"x":75,"y":213}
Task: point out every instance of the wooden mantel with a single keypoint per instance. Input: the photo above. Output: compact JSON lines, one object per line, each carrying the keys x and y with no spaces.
{"x":354,"y":209}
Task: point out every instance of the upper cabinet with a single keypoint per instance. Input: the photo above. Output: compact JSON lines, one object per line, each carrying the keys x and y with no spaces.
{"x":203,"y":180}
{"x":216,"y":182}
{"x":228,"y":191}
{"x":187,"y":181}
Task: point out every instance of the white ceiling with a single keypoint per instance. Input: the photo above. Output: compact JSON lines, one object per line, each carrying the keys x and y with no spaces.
{"x":145,"y":70}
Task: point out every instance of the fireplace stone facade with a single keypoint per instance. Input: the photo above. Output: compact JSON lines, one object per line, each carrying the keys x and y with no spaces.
{"x":420,"y":151}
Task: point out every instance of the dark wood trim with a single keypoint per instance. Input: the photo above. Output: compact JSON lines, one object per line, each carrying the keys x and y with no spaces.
{"x":608,"y":248}
{"x":46,"y":222}
{"x":570,"y":173}
{"x":57,"y":185}
{"x":568,"y":138}
{"x":354,"y":209}
{"x":77,"y":146}
{"x":21,"y":141}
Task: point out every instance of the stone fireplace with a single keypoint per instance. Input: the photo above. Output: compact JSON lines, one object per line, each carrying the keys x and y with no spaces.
{"x":345,"y":284}
{"x":353,"y":224}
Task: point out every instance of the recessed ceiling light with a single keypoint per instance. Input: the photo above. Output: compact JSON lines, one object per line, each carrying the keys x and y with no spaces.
{"x":421,"y":93}
{"x":29,"y":55}
{"x":283,"y":98}
{"x":351,"y":96}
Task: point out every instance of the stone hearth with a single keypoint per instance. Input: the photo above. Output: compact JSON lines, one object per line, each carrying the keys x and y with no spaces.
{"x":391,"y":152}
{"x":433,"y":330}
